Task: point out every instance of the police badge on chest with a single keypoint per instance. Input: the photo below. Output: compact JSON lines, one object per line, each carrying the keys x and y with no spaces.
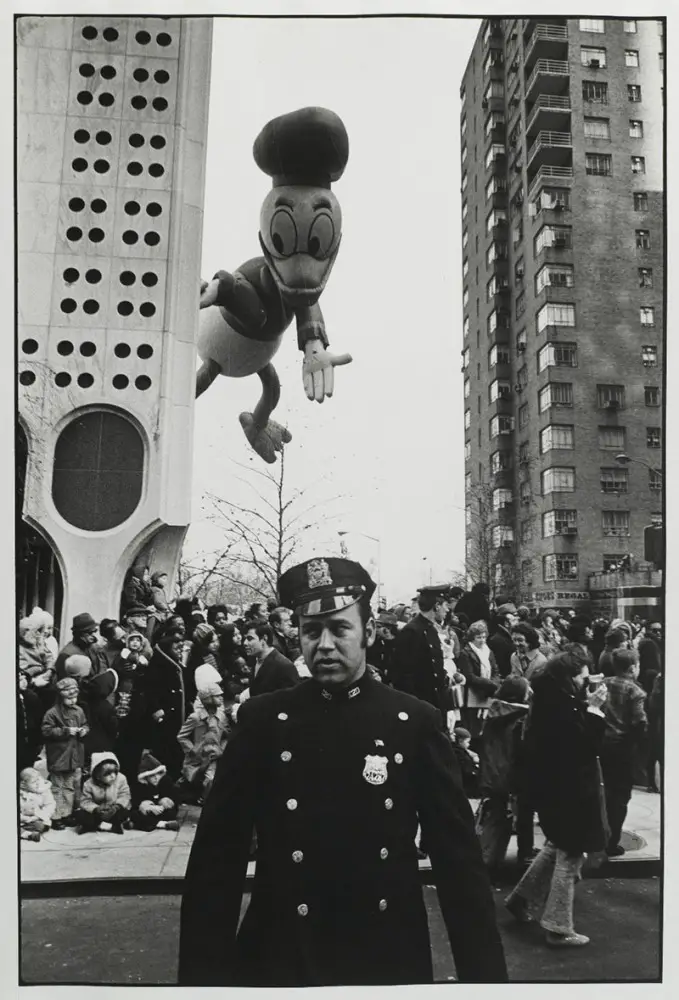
{"x":375,"y":770}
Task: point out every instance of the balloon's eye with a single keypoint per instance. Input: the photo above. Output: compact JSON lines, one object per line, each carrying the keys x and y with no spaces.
{"x":321,"y":236}
{"x":283,"y":234}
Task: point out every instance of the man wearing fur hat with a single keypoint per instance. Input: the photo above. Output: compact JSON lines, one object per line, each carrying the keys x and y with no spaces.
{"x":335,"y":774}
{"x":85,"y":640}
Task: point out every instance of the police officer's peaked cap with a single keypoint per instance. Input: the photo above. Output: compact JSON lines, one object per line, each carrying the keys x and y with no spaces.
{"x":436,"y":590}
{"x":306,"y":147}
{"x":321,"y":586}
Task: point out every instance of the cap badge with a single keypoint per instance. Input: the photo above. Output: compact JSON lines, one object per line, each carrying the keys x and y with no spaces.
{"x":318,"y":574}
{"x":375,"y":770}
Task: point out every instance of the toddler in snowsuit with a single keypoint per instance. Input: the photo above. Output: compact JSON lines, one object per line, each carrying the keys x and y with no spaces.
{"x":64,"y":727}
{"x":36,"y":804}
{"x":468,"y":761}
{"x":203,"y":738}
{"x":105,"y":802}
{"x":154,"y":797}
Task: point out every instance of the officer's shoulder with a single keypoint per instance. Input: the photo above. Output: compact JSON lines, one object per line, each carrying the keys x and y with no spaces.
{"x":404,"y":702}
{"x":264,"y":706}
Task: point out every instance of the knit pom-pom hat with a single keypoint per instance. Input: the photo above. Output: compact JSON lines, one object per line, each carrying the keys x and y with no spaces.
{"x":148,"y":766}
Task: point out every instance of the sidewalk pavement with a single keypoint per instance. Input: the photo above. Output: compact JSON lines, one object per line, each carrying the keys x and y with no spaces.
{"x":63,"y":856}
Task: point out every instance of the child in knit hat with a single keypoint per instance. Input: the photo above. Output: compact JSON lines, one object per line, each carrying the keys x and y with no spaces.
{"x":154,"y":797}
{"x":467,"y":760}
{"x":77,"y":666}
{"x":36,"y":804}
{"x":64,"y":728}
{"x":105,"y":802}
{"x":203,"y":738}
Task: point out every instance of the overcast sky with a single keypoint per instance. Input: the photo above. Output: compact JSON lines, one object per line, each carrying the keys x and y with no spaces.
{"x":390,"y":441}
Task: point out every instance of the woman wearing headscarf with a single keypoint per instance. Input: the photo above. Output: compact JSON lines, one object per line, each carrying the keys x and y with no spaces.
{"x":482,"y":678}
{"x":561,"y":747}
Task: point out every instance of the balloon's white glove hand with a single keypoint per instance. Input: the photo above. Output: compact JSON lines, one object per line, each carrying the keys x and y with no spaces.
{"x":318,"y":370}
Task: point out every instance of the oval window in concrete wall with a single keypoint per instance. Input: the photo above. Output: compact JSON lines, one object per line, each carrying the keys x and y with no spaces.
{"x":98,"y":470}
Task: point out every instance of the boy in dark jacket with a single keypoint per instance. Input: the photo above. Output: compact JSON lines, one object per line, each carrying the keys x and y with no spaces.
{"x":64,"y":727}
{"x":154,"y":797}
{"x":96,"y":694}
{"x":467,"y":760}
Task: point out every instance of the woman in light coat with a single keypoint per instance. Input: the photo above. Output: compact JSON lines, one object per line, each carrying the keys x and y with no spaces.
{"x":482,"y":678}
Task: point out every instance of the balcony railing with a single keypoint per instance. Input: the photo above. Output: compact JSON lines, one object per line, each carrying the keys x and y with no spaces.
{"x":548,"y":102}
{"x":633,"y":578}
{"x":560,"y":175}
{"x":550,"y":140}
{"x":547,"y":67}
{"x":546,"y":33}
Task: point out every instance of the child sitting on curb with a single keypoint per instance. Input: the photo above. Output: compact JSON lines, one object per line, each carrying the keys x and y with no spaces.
{"x":154,"y":805}
{"x":36,"y":804}
{"x":105,"y":802}
{"x":64,"y":727}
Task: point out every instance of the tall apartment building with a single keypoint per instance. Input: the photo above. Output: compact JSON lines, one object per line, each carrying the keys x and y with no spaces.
{"x":562,"y":235}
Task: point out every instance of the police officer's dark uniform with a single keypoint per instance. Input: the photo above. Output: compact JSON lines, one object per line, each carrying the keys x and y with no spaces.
{"x":417,"y":664}
{"x":335,"y":784}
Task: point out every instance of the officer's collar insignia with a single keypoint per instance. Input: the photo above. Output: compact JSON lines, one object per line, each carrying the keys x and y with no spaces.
{"x":326,"y":694}
{"x":318,"y":574}
{"x":375,"y":770}
{"x":353,"y":692}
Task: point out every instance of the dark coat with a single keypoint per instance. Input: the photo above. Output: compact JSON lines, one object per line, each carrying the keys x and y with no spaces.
{"x":101,"y":715}
{"x":502,"y":646}
{"x":96,"y":654}
{"x":163,"y":688}
{"x":561,"y":745}
{"x":650,"y":662}
{"x":381,"y":656}
{"x":474,"y":606}
{"x":275,"y":672}
{"x":501,"y":748}
{"x":417,"y":663}
{"x":29,"y":736}
{"x":143,"y":792}
{"x":281,"y":644}
{"x":469,"y":664}
{"x":337,"y":898}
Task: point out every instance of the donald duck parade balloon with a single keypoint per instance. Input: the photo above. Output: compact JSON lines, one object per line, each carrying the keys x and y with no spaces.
{"x":244,"y":314}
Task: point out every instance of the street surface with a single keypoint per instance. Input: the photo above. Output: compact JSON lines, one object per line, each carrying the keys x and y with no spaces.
{"x":132,"y":940}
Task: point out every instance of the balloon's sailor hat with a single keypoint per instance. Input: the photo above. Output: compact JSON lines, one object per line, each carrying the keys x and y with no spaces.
{"x":309,"y":147}
{"x":321,"y":586}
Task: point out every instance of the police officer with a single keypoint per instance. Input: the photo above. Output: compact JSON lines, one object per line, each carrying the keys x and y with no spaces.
{"x":335,"y":775}
{"x":417,"y":665}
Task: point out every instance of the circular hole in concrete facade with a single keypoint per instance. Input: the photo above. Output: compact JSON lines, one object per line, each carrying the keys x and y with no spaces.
{"x":79,"y":164}
{"x":84,"y":97}
{"x":134,"y":168}
{"x":147,"y":309}
{"x":161,"y":76}
{"x":85,"y":380}
{"x":154,"y":209}
{"x":108,"y":72}
{"x":27,"y":378}
{"x":86,"y":69}
{"x":96,"y":235}
{"x":125,"y":308}
{"x":110,"y":34}
{"x":132,"y":207}
{"x":98,"y":206}
{"x":93,"y":276}
{"x":102,"y":166}
{"x":136,"y":140}
{"x":143,"y":37}
{"x":149,"y":279}
{"x":164,"y":39}
{"x":122,"y":350}
{"x":73,"y":233}
{"x":103,"y":138}
{"x":120,"y":381}
{"x":156,"y":170}
{"x":65,"y":347}
{"x":87,"y":349}
{"x":91,"y":306}
{"x":139,"y":102}
{"x":71,"y":274}
{"x":144,"y":351}
{"x":158,"y":141}
{"x":76,"y":204}
{"x":128,"y":278}
{"x":81,"y":135}
{"x":142,"y":382}
{"x":68,"y":305}
{"x":31,"y":346}
{"x":159,"y":103}
{"x":130,"y":237}
{"x":141,"y":75}
{"x":62,"y":379}
{"x":89,"y":32}
{"x":106,"y":100}
{"x":152,"y":239}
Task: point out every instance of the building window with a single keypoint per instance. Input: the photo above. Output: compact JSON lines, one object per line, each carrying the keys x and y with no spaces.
{"x":597,"y":128}
{"x":467,"y":419}
{"x":598,"y":164}
{"x":615,"y":522}
{"x":553,"y":198}
{"x":465,"y":358}
{"x":555,"y":394}
{"x":465,"y":210}
{"x":495,"y":88}
{"x":500,"y":425}
{"x":521,"y":341}
{"x":555,"y":314}
{"x":560,"y":275}
{"x":612,"y":438}
{"x":465,"y":238}
{"x":629,"y":27}
{"x":467,"y":481}
{"x":464,"y":153}
{"x":613,"y":480}
{"x":652,"y":437}
{"x":496,"y":284}
{"x":655,"y":480}
{"x":558,"y":355}
{"x":633,"y":93}
{"x":521,"y":378}
{"x":612,"y":563}
{"x":498,"y":217}
{"x":500,"y":461}
{"x":651,"y":395}
{"x":520,"y":304}
{"x":465,"y":298}
{"x":595,"y":92}
{"x":594,"y":24}
{"x":496,"y":150}
{"x":657,"y":519}
{"x":638,"y":164}
{"x":647,"y":316}
{"x":465,"y":327}
{"x":640,"y":199}
{"x":526,"y":531}
{"x":502,"y":534}
{"x":467,"y":450}
{"x":636,"y":129}
{"x":643,"y":239}
{"x":495,"y":185}
{"x":463,"y":126}
{"x":467,"y":388}
{"x":589,"y":56}
{"x":501,"y":498}
{"x":558,"y":479}
{"x":559,"y":522}
{"x":498,"y":356}
{"x":553,"y":236}
{"x":556,"y":436}
{"x":523,"y":416}
{"x":610,"y":396}
{"x":499,"y":388}
{"x":465,"y":268}
{"x":495,"y":119}
{"x":465,"y":181}
{"x":645,"y":277}
{"x":649,"y":356}
{"x":631,"y":58}
{"x":559,"y":567}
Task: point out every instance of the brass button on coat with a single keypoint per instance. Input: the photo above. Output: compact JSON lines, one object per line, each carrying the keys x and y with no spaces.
{"x":297,"y":856}
{"x":403,"y":716}
{"x":302,"y":909}
{"x":384,"y":854}
{"x":282,"y":716}
{"x":286,"y":756}
{"x":291,"y":804}
{"x":388,"y":803}
{"x":398,"y":757}
{"x":383,"y":905}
